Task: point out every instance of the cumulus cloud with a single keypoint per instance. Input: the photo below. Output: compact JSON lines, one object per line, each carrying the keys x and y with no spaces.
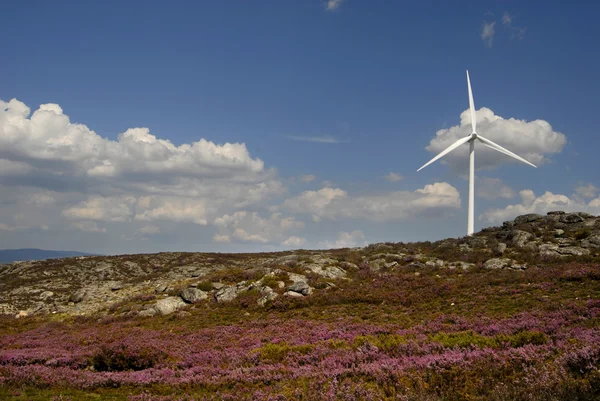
{"x":587,"y":191}
{"x":488,"y":31}
{"x":223,"y":239}
{"x":149,"y":229}
{"x":394,"y":177}
{"x":308,"y":178}
{"x":88,"y":226}
{"x":494,"y":188}
{"x":251,"y":227}
{"x":294,"y":242}
{"x":540,"y":204}
{"x":333,"y":5}
{"x":136,"y":177}
{"x":352,"y":239}
{"x":334,"y":203}
{"x":533,"y":140}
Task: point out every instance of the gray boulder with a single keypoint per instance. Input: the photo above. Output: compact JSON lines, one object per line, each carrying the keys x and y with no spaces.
{"x":500,"y":248}
{"x":226,"y":294}
{"x":301,"y":287}
{"x":520,"y":238}
{"x":293,"y":294}
{"x":169,"y":305}
{"x":327,"y":271}
{"x":570,"y":218}
{"x":161,"y":287}
{"x":267,"y":295}
{"x":192,"y":295}
{"x":553,"y":250}
{"x":528,"y":218}
{"x":502,"y":263}
{"x":79,"y":296}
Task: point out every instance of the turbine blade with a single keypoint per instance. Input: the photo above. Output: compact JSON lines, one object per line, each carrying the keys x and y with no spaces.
{"x":447,"y":150}
{"x":471,"y":105}
{"x":500,"y":149}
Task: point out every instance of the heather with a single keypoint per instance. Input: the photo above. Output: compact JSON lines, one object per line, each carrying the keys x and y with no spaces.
{"x":407,"y":333}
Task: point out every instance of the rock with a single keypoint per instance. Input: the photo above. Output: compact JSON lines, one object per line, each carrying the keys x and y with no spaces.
{"x":531,"y":246}
{"x":391,"y":265}
{"x":553,"y":250}
{"x":348,"y":266}
{"x":573,"y":251}
{"x":46,"y":294}
{"x":226,"y":294}
{"x":301,"y":287}
{"x":288,"y":260}
{"x":377,"y":264}
{"x":327,"y":271}
{"x":383,"y":247}
{"x":268,"y":295}
{"x":417,"y":265}
{"x":502,"y":263}
{"x":192,"y":295}
{"x":435,"y":263}
{"x":117,"y":286}
{"x":570,"y":218}
{"x":528,"y":218}
{"x":555,"y":213}
{"x":295,"y":277}
{"x":217,"y":286}
{"x":520,"y":238}
{"x":79,"y":296}
{"x":168,"y":305}
{"x":500,"y":248}
{"x":558,"y":232}
{"x":293,"y":294}
{"x":161,"y":287}
{"x":147,"y":312}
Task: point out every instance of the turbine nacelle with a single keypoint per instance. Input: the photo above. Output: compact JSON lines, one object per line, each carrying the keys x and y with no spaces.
{"x":471,"y":139}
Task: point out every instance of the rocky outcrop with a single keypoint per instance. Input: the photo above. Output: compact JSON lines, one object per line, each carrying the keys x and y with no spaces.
{"x":169,"y":305}
{"x":193,"y":295}
{"x":503,"y":263}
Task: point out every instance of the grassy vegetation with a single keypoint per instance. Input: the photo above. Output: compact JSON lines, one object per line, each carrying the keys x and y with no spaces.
{"x":407,"y":333}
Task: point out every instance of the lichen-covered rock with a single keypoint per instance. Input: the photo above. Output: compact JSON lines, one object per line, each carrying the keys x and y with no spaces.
{"x":502,"y":263}
{"x":79,"y":295}
{"x":267,"y":295}
{"x":520,"y":238}
{"x":528,"y":218}
{"x":192,"y":295}
{"x":226,"y":294}
{"x":553,"y":250}
{"x":500,"y":248}
{"x":301,"y":287}
{"x":292,"y":294}
{"x":327,"y":271}
{"x":168,"y":305}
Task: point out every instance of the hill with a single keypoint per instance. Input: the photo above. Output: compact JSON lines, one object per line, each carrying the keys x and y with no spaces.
{"x":511,"y":313}
{"x":13,"y":255}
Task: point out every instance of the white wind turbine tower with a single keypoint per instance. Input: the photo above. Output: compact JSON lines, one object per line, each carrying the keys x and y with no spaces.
{"x":471,"y":140}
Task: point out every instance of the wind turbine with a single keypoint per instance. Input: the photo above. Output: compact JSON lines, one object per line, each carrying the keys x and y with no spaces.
{"x":471,"y":140}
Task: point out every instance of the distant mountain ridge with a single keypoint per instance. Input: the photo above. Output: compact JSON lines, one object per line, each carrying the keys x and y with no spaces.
{"x":12,"y":255}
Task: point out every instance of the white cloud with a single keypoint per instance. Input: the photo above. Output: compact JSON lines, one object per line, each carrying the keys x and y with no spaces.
{"x":251,"y":227}
{"x":488,"y":31}
{"x":149,"y":229}
{"x":541,"y":204}
{"x":294,"y":242}
{"x":394,"y":177}
{"x":316,"y":139}
{"x":101,"y":208}
{"x":41,"y":199}
{"x":152,"y":208}
{"x":87,"y":226}
{"x":333,"y":5}
{"x":532,"y":140}
{"x":224,"y":239}
{"x":494,"y":188}
{"x":346,"y":240}
{"x":516,"y":31}
{"x":587,"y":191}
{"x":137,"y":177}
{"x":308,"y":178}
{"x":334,"y":203}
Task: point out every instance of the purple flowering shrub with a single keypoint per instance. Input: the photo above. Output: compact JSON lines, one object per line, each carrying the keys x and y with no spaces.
{"x":439,"y":335}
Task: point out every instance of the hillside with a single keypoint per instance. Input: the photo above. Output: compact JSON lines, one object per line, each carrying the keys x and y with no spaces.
{"x":13,"y":255}
{"x":511,"y":313}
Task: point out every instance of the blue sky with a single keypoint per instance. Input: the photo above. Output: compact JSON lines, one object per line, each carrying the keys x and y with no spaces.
{"x":365,"y":84}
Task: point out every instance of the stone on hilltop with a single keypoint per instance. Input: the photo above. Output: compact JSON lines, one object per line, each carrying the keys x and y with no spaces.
{"x":192,"y":295}
{"x":301,"y":287}
{"x":528,"y":218}
{"x":168,"y":305}
{"x":226,"y":294}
